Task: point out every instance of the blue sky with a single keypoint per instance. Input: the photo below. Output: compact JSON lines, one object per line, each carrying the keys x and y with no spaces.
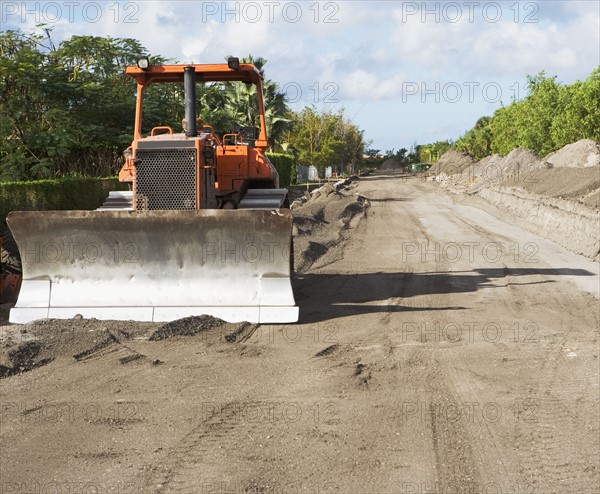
{"x":404,"y":71}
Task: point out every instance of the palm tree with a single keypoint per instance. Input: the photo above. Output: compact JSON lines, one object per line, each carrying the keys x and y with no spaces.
{"x":242,"y":107}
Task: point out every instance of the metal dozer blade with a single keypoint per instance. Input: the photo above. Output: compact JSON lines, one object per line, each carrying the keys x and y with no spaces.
{"x":155,"y":265}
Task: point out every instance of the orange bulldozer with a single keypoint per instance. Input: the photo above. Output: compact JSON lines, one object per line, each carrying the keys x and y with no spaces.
{"x":204,"y":228}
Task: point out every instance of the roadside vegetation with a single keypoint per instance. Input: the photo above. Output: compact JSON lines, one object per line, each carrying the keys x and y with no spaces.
{"x":68,"y":110}
{"x":550,"y":116}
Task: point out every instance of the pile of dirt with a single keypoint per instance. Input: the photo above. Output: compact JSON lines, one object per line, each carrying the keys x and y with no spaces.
{"x":460,"y":173}
{"x":580,"y":154}
{"x":390,"y":164}
{"x":20,"y":357}
{"x":453,"y":162}
{"x":482,"y":172}
{"x":324,"y":191}
{"x":188,"y":326}
{"x":25,"y":347}
{"x":495,"y":169}
{"x":576,"y":184}
{"x":28,"y":346}
{"x":557,"y":197}
{"x":517,"y":162}
{"x":322,"y":222}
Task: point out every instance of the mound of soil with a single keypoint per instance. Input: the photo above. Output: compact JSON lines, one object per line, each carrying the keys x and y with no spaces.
{"x":580,"y":154}
{"x":453,"y":162}
{"x":320,"y":224}
{"x":482,"y":170}
{"x":390,"y":164}
{"x":519,"y":161}
{"x":188,"y":326}
{"x":24,"y":347}
{"x":495,"y":169}
{"x":578,"y":184}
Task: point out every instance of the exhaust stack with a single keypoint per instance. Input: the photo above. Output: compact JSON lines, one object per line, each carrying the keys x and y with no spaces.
{"x":189,"y":88}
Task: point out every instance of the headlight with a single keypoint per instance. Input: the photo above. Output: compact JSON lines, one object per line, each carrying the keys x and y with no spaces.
{"x":233,"y":63}
{"x":143,"y":63}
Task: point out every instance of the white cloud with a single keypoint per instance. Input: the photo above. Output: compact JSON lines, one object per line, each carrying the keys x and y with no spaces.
{"x":368,"y":53}
{"x":495,"y":49}
{"x":368,"y":86}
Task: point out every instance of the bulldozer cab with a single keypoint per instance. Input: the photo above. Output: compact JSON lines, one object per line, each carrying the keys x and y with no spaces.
{"x":235,"y":161}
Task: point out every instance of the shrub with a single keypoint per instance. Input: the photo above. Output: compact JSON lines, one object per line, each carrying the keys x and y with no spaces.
{"x":285,"y":164}
{"x":71,"y":193}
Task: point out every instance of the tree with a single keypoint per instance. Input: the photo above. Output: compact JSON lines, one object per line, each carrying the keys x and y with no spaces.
{"x":478,"y":141}
{"x":579,"y":117}
{"x":241,"y":104}
{"x":326,"y":139}
{"x":550,"y":116}
{"x":429,"y":153}
{"x":537,"y":113}
{"x":65,"y":109}
{"x":26,"y":104}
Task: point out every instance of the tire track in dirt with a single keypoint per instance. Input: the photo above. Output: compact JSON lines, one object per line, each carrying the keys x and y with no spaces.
{"x":386,"y":398}
{"x":196,"y":453}
{"x":545,"y":446}
{"x":552,"y":459}
{"x":413,"y":284}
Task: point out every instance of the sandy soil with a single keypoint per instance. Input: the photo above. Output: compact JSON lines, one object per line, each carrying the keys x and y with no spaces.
{"x":439,"y":350}
{"x":557,"y":197}
{"x":576,"y":184}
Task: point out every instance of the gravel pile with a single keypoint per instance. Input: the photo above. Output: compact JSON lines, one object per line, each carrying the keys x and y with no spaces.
{"x":321,"y":220}
{"x":188,"y":326}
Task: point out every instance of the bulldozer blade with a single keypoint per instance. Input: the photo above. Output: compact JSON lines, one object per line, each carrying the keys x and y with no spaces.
{"x":155,"y":265}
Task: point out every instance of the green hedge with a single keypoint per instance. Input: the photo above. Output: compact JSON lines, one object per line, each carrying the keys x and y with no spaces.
{"x":285,"y":164}
{"x":53,"y":195}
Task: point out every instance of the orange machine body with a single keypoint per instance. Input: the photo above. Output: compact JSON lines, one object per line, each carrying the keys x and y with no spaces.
{"x":236,"y":164}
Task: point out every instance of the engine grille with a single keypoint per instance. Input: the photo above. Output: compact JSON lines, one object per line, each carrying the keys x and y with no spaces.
{"x":165,"y":179}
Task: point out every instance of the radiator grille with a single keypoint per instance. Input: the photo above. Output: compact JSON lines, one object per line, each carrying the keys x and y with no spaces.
{"x":166,"y":179}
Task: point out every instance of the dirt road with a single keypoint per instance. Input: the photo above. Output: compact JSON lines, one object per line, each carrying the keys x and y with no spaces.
{"x":440,"y":350}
